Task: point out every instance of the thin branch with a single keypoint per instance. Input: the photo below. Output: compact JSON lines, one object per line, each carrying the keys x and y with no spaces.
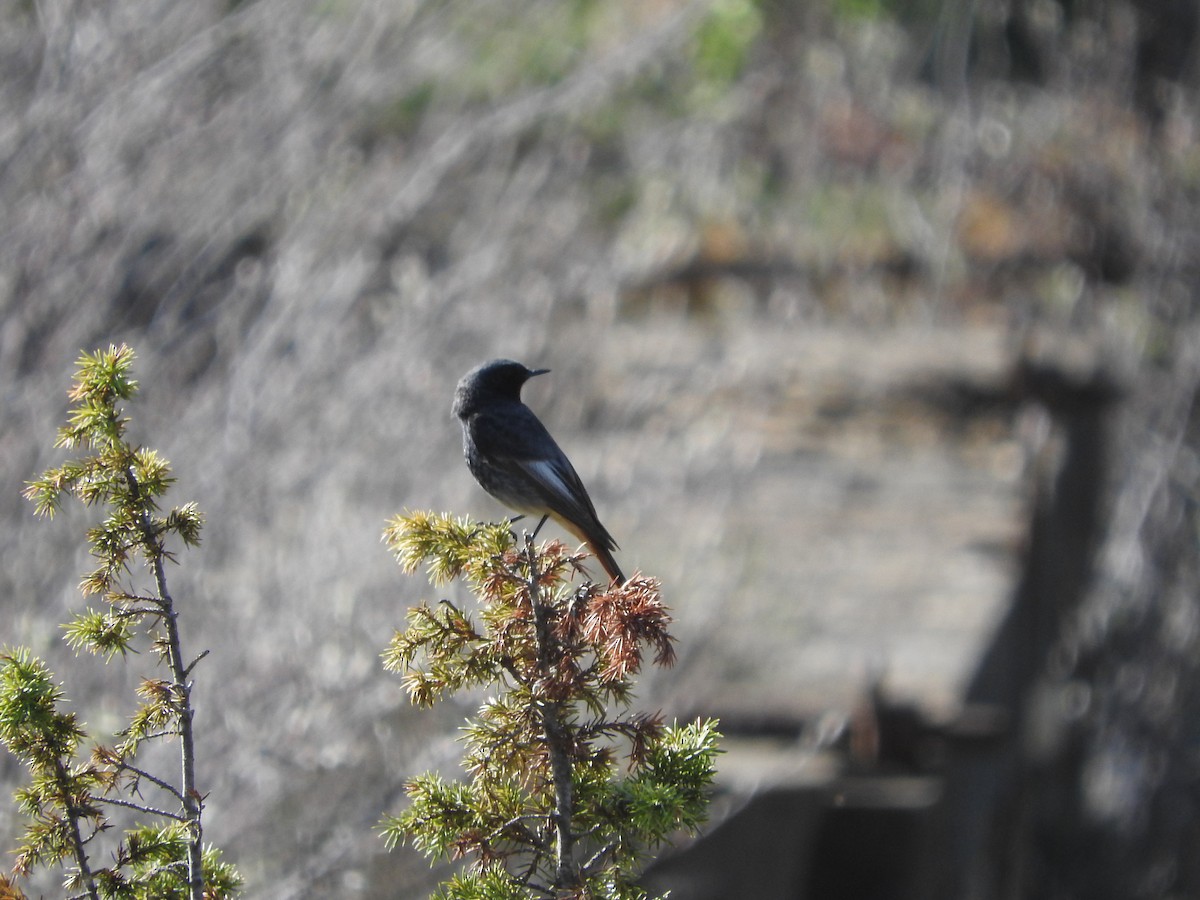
{"x":77,"y":843}
{"x":157,"y":782}
{"x":566,"y":873}
{"x":152,"y":736}
{"x":594,"y":861}
{"x":528,"y":836}
{"x":508,"y":666}
{"x":139,"y":807}
{"x":133,"y":612}
{"x":188,"y":671}
{"x":166,"y":867}
{"x":126,"y":597}
{"x":535,"y":862}
{"x":192,"y":804}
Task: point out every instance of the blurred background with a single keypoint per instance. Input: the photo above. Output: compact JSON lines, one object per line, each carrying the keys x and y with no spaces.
{"x":873,"y":329}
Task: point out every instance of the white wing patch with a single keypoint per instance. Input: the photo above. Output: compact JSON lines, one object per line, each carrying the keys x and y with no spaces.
{"x":547,"y":474}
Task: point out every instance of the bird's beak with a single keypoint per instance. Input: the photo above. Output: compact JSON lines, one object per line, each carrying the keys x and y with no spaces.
{"x":533,"y":372}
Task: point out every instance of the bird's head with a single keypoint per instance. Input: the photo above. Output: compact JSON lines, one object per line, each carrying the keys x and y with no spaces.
{"x":500,"y":379}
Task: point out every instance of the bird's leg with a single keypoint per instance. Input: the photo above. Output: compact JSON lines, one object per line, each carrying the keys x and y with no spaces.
{"x":539,"y":525}
{"x":513,"y":520}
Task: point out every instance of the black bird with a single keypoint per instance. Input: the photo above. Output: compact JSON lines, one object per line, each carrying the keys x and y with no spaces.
{"x":513,"y":457}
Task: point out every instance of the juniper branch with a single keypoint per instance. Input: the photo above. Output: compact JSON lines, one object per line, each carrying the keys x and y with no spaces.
{"x":566,"y":874}
{"x":546,"y":812}
{"x":190,"y":797}
{"x":74,"y":814}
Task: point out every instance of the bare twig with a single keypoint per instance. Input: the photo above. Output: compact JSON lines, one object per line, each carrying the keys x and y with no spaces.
{"x":140,"y":807}
{"x":157,"y":782}
{"x":192,"y":664}
{"x":136,"y":612}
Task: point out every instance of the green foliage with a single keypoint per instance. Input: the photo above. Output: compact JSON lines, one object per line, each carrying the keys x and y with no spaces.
{"x":450,"y":547}
{"x":723,"y":41}
{"x":153,"y":867}
{"x":66,"y":799}
{"x":101,"y":631}
{"x":567,"y":790}
{"x":60,"y":797}
{"x":126,"y":478}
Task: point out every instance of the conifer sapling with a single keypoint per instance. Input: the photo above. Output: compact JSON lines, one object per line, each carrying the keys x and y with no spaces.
{"x":567,"y":790}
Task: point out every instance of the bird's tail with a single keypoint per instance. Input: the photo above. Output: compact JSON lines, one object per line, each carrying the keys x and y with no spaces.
{"x":598,"y":544}
{"x":604,"y":555}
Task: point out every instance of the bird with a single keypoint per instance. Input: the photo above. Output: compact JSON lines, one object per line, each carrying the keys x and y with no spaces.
{"x":514,"y":458}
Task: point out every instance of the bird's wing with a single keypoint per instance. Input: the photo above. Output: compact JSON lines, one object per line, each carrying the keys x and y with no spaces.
{"x":521,"y":445}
